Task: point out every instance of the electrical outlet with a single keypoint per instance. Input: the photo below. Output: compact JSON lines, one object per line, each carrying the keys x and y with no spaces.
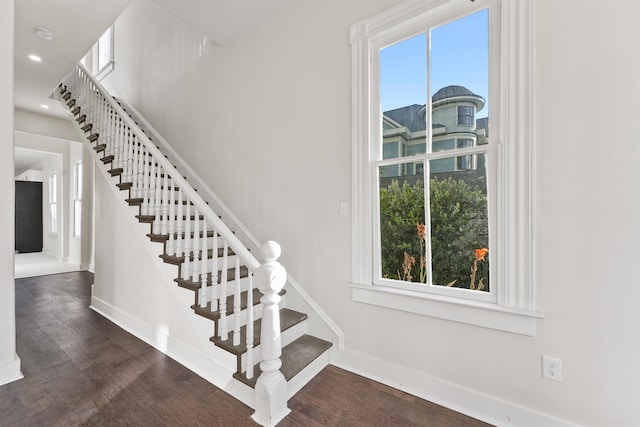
{"x":551,"y":368}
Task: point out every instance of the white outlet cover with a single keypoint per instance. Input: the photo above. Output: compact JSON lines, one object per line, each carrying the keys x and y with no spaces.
{"x":551,"y":368}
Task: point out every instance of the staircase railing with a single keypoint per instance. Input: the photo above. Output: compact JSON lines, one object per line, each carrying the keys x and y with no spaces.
{"x":213,"y":258}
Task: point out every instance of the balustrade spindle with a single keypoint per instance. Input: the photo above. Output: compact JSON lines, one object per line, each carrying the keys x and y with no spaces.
{"x":223,"y":330}
{"x":135,"y":163}
{"x":249,"y":356}
{"x":195,"y":266}
{"x":215,"y":286}
{"x":157,"y":223}
{"x":146,"y":183}
{"x":186,"y":268}
{"x":164,"y":219}
{"x":236,"y":303}
{"x":179,"y":225}
{"x":205,"y":255}
{"x":171,"y":244}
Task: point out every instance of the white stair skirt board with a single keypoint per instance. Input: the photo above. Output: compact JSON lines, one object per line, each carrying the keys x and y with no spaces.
{"x":475,"y":404}
{"x":10,"y":371}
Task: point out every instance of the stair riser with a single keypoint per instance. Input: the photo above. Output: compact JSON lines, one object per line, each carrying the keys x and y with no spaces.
{"x":287,"y":337}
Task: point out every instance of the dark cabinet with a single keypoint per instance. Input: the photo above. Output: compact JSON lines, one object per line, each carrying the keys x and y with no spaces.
{"x":28,"y":216}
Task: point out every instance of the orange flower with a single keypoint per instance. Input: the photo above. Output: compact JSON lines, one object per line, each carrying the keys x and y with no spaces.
{"x":422,"y":232}
{"x":480,"y":253}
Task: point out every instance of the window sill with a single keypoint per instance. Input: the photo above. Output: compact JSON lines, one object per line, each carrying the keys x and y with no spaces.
{"x":458,"y":310}
{"x":105,"y":70}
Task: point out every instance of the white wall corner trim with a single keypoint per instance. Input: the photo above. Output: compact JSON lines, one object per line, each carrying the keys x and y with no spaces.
{"x":10,"y":371}
{"x":187,"y":356}
{"x":470,"y":402}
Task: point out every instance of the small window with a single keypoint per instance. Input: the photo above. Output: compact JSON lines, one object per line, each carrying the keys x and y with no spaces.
{"x":465,"y":116}
{"x":100,"y":59}
{"x":465,"y":162}
{"x":53,"y":203}
{"x":77,"y":199}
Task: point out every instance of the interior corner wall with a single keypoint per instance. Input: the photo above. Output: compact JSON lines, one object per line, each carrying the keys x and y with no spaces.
{"x":265,"y":121}
{"x":9,"y":361}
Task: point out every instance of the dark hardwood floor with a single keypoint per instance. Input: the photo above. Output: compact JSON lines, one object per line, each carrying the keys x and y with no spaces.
{"x":81,"y":369}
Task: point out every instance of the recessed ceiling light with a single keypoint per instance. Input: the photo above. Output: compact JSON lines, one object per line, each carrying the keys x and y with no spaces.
{"x":43,"y":33}
{"x":46,"y":107}
{"x":35,"y":58}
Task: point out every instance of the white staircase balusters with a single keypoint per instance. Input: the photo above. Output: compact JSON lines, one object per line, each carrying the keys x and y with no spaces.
{"x":249,"y":337}
{"x":186,"y":265}
{"x":164,"y":218}
{"x":203,"y":279}
{"x":215,"y":284}
{"x":195,"y":265}
{"x":146,"y":183}
{"x":135,"y":163}
{"x":223,"y":331}
{"x":236,"y":303}
{"x":179,"y":225}
{"x":171,"y":243}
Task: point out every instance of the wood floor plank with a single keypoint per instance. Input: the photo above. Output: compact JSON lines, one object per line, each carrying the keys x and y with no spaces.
{"x":81,"y":369}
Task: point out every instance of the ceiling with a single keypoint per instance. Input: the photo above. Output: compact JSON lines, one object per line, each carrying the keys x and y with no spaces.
{"x":77,"y":24}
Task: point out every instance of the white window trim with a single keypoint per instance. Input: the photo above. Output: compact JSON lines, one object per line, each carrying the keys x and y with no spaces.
{"x":53,"y":174}
{"x":77,"y":196}
{"x":515,"y":307}
{"x":109,"y":66}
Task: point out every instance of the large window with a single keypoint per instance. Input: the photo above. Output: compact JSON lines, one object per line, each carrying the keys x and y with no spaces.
{"x":53,"y":203}
{"x":77,"y":199}
{"x":449,"y":221}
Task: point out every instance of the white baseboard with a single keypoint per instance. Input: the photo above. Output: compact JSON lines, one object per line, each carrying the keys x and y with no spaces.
{"x":10,"y":371}
{"x":453,"y":396}
{"x":201,"y":364}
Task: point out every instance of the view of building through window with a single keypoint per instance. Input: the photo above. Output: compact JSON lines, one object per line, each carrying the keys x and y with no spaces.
{"x":434,"y":225}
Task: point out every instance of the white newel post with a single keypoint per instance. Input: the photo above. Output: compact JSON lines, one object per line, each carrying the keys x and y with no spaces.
{"x":271,"y":387}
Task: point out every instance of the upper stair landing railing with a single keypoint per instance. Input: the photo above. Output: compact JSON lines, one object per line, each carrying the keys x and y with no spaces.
{"x":212,"y":257}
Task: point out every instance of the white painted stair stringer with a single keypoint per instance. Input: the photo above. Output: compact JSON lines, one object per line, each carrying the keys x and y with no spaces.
{"x":318,"y":323}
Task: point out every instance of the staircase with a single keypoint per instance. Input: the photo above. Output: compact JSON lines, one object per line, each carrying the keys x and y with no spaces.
{"x":233,"y":290}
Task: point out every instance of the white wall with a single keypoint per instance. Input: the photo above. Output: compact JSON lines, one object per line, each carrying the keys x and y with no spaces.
{"x":265,"y":120}
{"x":9,"y":361}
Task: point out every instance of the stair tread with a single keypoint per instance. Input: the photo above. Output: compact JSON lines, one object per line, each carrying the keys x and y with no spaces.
{"x":194,"y":286}
{"x":295,"y":357}
{"x":288,"y":319}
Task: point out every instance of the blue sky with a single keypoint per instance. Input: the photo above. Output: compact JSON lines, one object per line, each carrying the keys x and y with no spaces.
{"x":459,"y":56}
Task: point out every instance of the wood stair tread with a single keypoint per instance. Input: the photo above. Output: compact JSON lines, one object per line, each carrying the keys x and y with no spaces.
{"x":295,"y":357}
{"x":288,"y":319}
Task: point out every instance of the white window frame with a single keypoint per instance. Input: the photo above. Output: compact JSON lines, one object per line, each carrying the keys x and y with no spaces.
{"x":92,"y":59}
{"x":53,"y":202}
{"x":514,"y":307}
{"x":77,"y":199}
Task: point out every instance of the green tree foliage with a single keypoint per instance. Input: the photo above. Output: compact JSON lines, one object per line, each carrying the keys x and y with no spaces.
{"x":459,"y":225}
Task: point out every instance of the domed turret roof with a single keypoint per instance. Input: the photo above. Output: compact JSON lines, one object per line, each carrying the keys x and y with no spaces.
{"x":446,"y":94}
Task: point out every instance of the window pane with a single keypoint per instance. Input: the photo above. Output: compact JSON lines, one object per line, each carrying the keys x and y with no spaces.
{"x":402,"y":213}
{"x":459,"y":79}
{"x":77,"y":218}
{"x":460,"y":226}
{"x":53,"y":218}
{"x":403,"y":96}
{"x":104,"y":49}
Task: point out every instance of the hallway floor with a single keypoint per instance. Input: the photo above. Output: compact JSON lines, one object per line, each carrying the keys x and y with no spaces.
{"x":81,"y":369}
{"x":39,"y":264}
